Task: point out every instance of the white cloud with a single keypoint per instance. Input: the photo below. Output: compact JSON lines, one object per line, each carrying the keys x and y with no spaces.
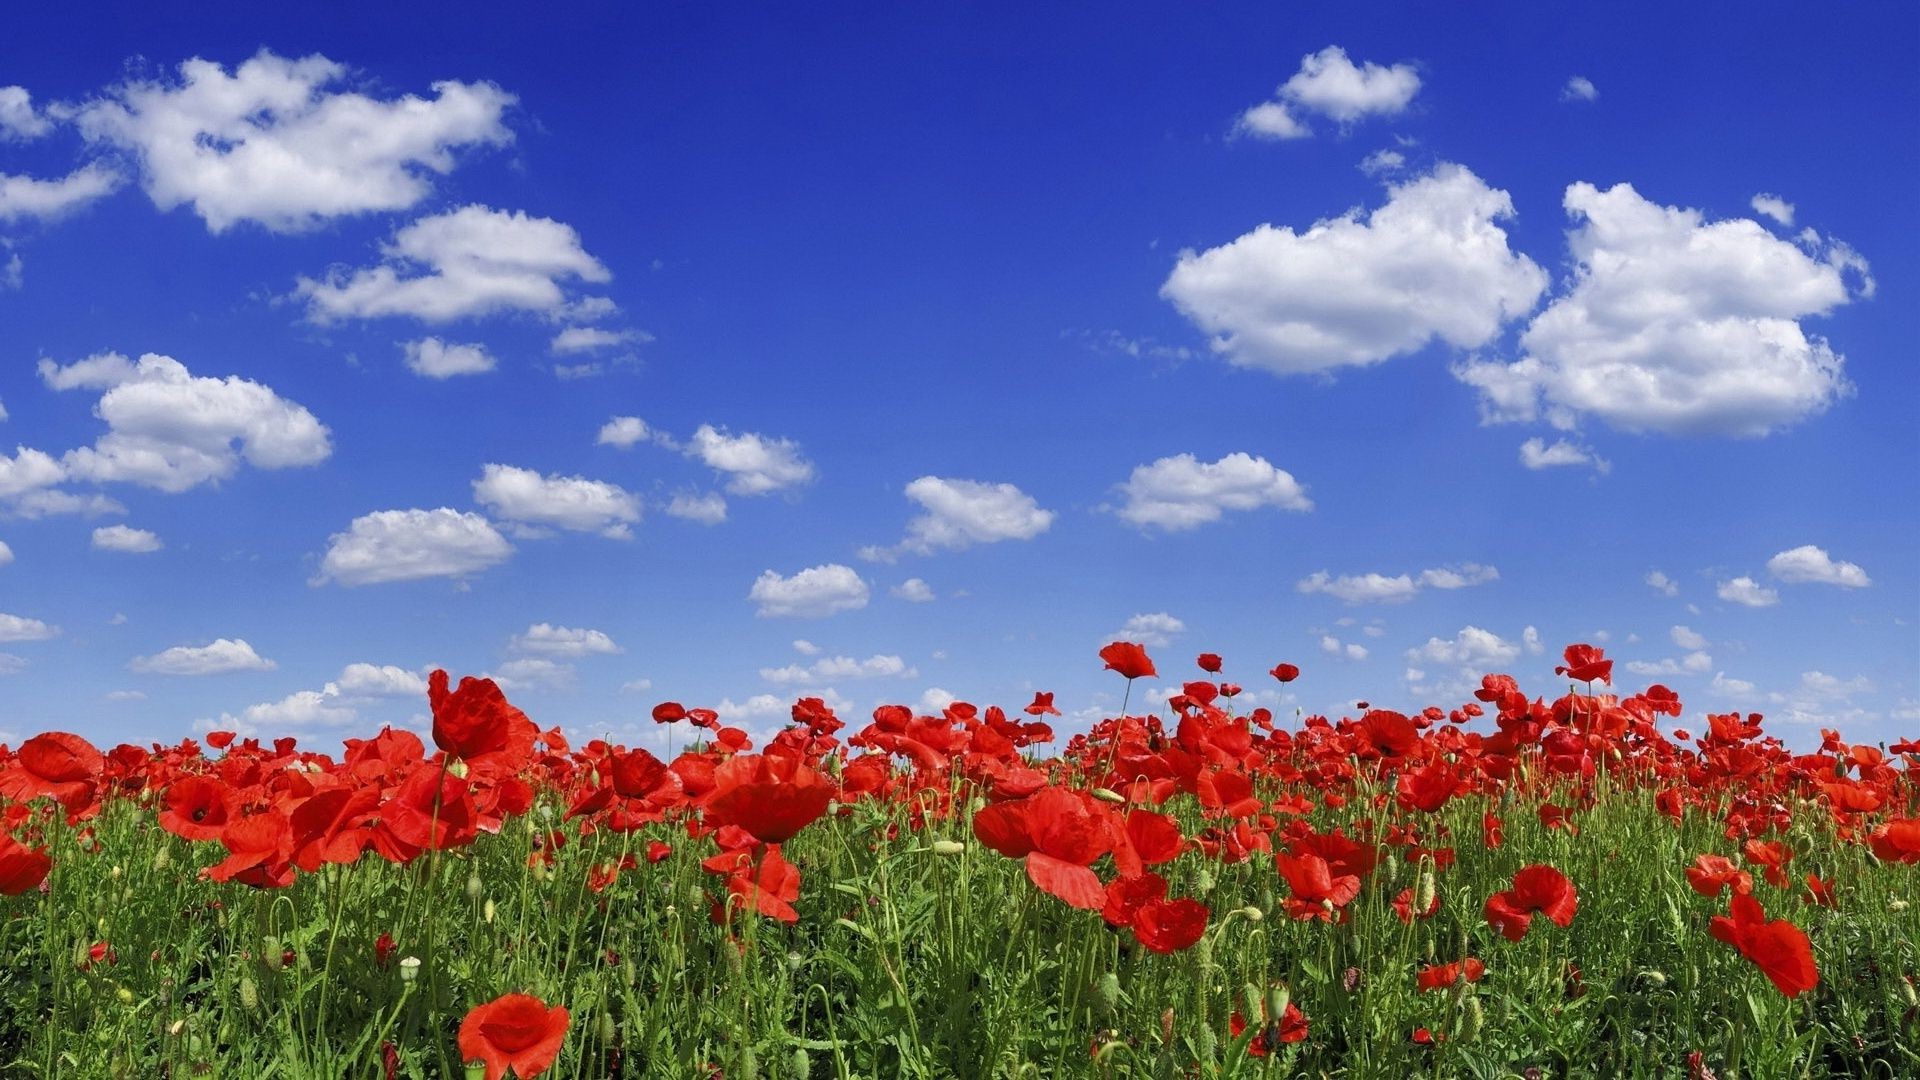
{"x":1530,"y":638}
{"x":636,"y":686}
{"x":6,"y":553}
{"x":1382,"y":162}
{"x":1821,"y":684}
{"x":436,"y":359}
{"x":123,"y":538}
{"x":528,"y":672}
{"x":832,"y":668}
{"x":18,"y":118}
{"x":707,"y":509}
{"x":754,"y":464}
{"x":21,"y":628}
{"x":299,"y":710}
{"x":913,"y":590}
{"x":1472,"y":647}
{"x":1775,"y":207}
{"x":219,"y":657}
{"x":961,"y":513}
{"x":46,"y":503}
{"x":28,"y":470}
{"x":1810,"y":564}
{"x":1579,"y":88}
{"x":1158,"y":628}
{"x":13,"y":275}
{"x":757,"y":707}
{"x":1360,"y":288}
{"x":567,"y":502}
{"x":1178,"y":493}
{"x":125,"y":695}
{"x":172,"y":430}
{"x":622,"y":431}
{"x":1335,"y":87}
{"x":1737,"y":688}
{"x":379,"y":680}
{"x":805,"y":647}
{"x":1377,"y":588}
{"x":1332,"y":646}
{"x":273,"y":143}
{"x":1686,"y":638}
{"x":1662,"y":584}
{"x":812,"y":593}
{"x":401,"y":545}
{"x":23,"y":197}
{"x":1676,"y":325}
{"x":564,"y":641}
{"x":1536,"y":454}
{"x":473,"y":261}
{"x":579,"y":339}
{"x":1694,"y":663}
{"x":1745,"y":590}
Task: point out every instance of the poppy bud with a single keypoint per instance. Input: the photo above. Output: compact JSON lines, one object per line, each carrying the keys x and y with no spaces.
{"x":1907,"y":991}
{"x":1105,"y":794}
{"x":801,"y":1068}
{"x":249,"y":994}
{"x":124,"y":995}
{"x":749,"y":1064}
{"x":162,"y":860}
{"x":1203,"y":881}
{"x":1896,"y":905}
{"x":1423,"y":892}
{"x":948,"y":847}
{"x":1655,"y":979}
{"x":1475,"y":1017}
{"x":174,"y":1029}
{"x":271,"y":953}
{"x":1107,"y":990}
{"x":1252,"y":914}
{"x":409,"y":968}
{"x":115,"y":872}
{"x":1278,"y":998}
{"x":606,"y":1027}
{"x":486,"y":911}
{"x":1390,"y":867}
{"x":475,"y":887}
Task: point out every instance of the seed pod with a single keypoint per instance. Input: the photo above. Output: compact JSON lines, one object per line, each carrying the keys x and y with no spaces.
{"x":409,"y":968}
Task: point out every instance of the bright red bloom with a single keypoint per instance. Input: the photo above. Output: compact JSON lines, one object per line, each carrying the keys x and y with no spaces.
{"x":772,"y":796}
{"x":1168,"y":926}
{"x":1441,"y":976}
{"x":1403,"y":906}
{"x":1711,"y":874}
{"x":1540,"y":889}
{"x":1273,"y":1034}
{"x":1129,"y":659}
{"x":514,"y":1031}
{"x":1042,"y":704}
{"x":383,"y":949}
{"x":1586,"y":664}
{"x":1127,"y":895}
{"x":1387,"y":734}
{"x":197,"y":808}
{"x":669,"y":712}
{"x":57,"y":763}
{"x":1209,"y":662}
{"x":22,"y":868}
{"x":1318,"y":893}
{"x":474,"y":719}
{"x":1897,"y":841}
{"x":1285,"y":672}
{"x":1779,"y":948}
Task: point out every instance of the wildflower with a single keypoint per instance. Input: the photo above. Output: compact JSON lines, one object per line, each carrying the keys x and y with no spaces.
{"x":515,"y":1031}
{"x":1441,"y":976}
{"x":1540,"y":889}
{"x":1129,"y":659}
{"x":1285,"y":672}
{"x":1779,"y":948}
{"x":1586,"y":664}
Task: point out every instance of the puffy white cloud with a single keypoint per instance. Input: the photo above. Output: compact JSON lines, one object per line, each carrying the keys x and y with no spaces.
{"x":1810,"y":564}
{"x":1332,"y":646}
{"x":1677,"y":325}
{"x":1745,"y":590}
{"x":1536,"y":454}
{"x":23,"y":197}
{"x":1157,"y":628}
{"x":1472,"y":647}
{"x":1775,"y":207}
{"x":172,"y":430}
{"x":567,"y":502}
{"x":275,"y":144}
{"x":1530,"y":638}
{"x":961,"y":513}
{"x":18,"y":118}
{"x":21,"y":628}
{"x":1181,"y":492}
{"x":438,"y":359}
{"x":1736,"y":688}
{"x":28,"y":470}
{"x":471,"y":261}
{"x":378,"y":680}
{"x":636,"y":686}
{"x":832,"y":668}
{"x":707,"y":509}
{"x":6,"y":553}
{"x":579,"y":339}
{"x":1694,"y":663}
{"x":1579,"y":88}
{"x":528,"y":672}
{"x":754,"y":464}
{"x":45,"y":502}
{"x":218,"y":657}
{"x":1383,"y":162}
{"x":402,"y":545}
{"x":1357,"y":289}
{"x":564,"y":641}
{"x":812,"y":593}
{"x":914,"y":590}
{"x":298,"y":711}
{"x":124,"y":538}
{"x":1687,"y":638}
{"x":1377,"y":588}
{"x":622,"y":431}
{"x":1334,"y":86}
{"x":805,"y":647}
{"x":1662,"y":584}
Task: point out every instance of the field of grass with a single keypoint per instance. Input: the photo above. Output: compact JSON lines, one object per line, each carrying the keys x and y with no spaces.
{"x":1518,"y":887}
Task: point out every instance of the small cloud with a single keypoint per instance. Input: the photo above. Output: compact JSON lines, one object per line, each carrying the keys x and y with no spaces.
{"x":1383,"y":162}
{"x":622,"y":431}
{"x":550,"y":640}
{"x":1579,"y":88}
{"x":1687,"y":639}
{"x":1662,"y":584}
{"x":1330,"y":84}
{"x":219,"y":657}
{"x":124,"y":539}
{"x":1376,"y":588}
{"x":1158,"y":628}
{"x":1530,"y":637}
{"x":21,"y":628}
{"x":813,"y":593}
{"x":432,"y":358}
{"x":1745,"y":590}
{"x":125,"y":695}
{"x":1775,"y":207}
{"x":636,"y":686}
{"x":913,"y":590}
{"x":1334,"y":647}
{"x":805,"y":647}
{"x":1536,"y":454}
{"x":579,"y":339}
{"x":1808,"y":564}
{"x":707,"y":509}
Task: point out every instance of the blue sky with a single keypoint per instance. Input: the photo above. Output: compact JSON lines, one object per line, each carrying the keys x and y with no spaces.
{"x":889,"y":354}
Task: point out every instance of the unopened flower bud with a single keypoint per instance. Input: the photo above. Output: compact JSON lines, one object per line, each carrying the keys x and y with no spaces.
{"x":487,"y":910}
{"x":1278,"y":998}
{"x":270,"y":951}
{"x":1251,"y":913}
{"x":249,"y":994}
{"x":1107,"y":992}
{"x":475,"y":887}
{"x":162,"y":859}
{"x":409,"y":968}
{"x":1109,"y":795}
{"x":948,"y":847}
{"x":124,"y":996}
{"x":1896,"y":905}
{"x":1654,"y":978}
{"x":801,"y":1068}
{"x":1423,"y":893}
{"x":1203,"y":881}
{"x":606,"y":1027}
{"x":1473,"y":1019}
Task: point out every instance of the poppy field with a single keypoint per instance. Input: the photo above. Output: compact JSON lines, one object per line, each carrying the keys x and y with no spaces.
{"x":1572,"y":884}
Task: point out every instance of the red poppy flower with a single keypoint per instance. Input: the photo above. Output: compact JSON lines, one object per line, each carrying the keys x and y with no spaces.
{"x":1711,"y":874}
{"x":1042,"y":705}
{"x":1127,"y":895}
{"x":474,"y":719}
{"x":1273,"y":1034}
{"x":1318,"y":893}
{"x":1209,"y":662}
{"x":1897,"y":841}
{"x":1387,"y":734}
{"x":514,"y":1031}
{"x":1129,"y":659}
{"x":1441,"y":976}
{"x":1540,"y":889}
{"x":1586,"y":664}
{"x":197,"y":808}
{"x":1168,"y":926}
{"x":1779,"y":948}
{"x":1403,"y":906}
{"x":22,"y":868}
{"x":772,"y":796}
{"x":57,"y":763}
{"x":669,"y":712}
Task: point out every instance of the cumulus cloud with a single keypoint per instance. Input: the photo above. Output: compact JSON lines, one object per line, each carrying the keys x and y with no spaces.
{"x":753,"y":464}
{"x":913,"y":590}
{"x":586,"y":339}
{"x":219,"y":657}
{"x":812,"y":593}
{"x":622,"y":431}
{"x":1377,"y":588}
{"x":1687,"y":638}
{"x":21,"y":628}
{"x":24,"y":197}
{"x":1383,"y":162}
{"x":1662,"y":584}
{"x":1775,"y":207}
{"x":530,"y":672}
{"x":402,"y":545}
{"x":832,"y":668}
{"x":172,"y":430}
{"x":567,"y":502}
{"x":550,"y":640}
{"x":1745,"y":590}
{"x":1334,"y":647}
{"x":6,"y":553}
{"x":962,"y":513}
{"x":1181,"y":492}
{"x":1472,"y":647}
{"x":123,"y":538}
{"x":1157,"y":628}
{"x":436,"y":359}
{"x":1530,"y":638}
{"x":298,"y":711}
{"x":18,"y":118}
{"x":1810,"y":564}
{"x":1676,"y":325}
{"x":378,"y":680}
{"x":1330,"y":84}
{"x":464,"y":263}
{"x":1694,"y":663}
{"x":805,"y":647}
{"x":707,"y":509}
{"x":1579,"y":88}
{"x":277,"y":143}
{"x":1536,"y":454}
{"x":1360,"y":288}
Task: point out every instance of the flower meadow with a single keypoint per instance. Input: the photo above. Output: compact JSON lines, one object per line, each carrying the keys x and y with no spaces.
{"x":1518,"y":886}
